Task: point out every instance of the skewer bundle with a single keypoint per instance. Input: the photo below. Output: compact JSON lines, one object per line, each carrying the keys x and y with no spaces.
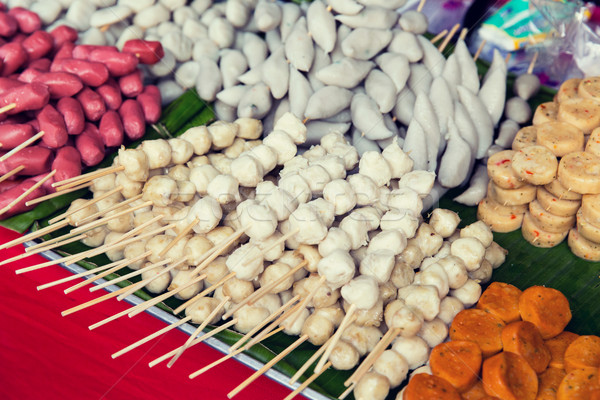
{"x":317,"y":252}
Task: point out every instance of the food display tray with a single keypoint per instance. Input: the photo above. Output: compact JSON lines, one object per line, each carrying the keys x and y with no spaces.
{"x":189,"y":329}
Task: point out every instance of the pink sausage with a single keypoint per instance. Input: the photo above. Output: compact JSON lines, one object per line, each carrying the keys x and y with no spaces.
{"x":90,"y":73}
{"x":36,"y":126}
{"x":131,"y":84}
{"x":64,"y":51}
{"x":13,"y":55}
{"x":41,"y":64}
{"x":147,"y":51}
{"x":92,"y":103}
{"x":29,"y":75}
{"x":73,"y":115}
{"x":151,"y":104}
{"x":83,"y":51}
{"x":118,"y":64}
{"x":8,"y":184}
{"x":62,"y":34}
{"x":30,"y":96}
{"x":111,"y":94}
{"x":36,"y":160}
{"x":27,"y":21}
{"x":111,"y":129}
{"x":133,"y":119}
{"x":38,"y":44}
{"x":9,"y":83}
{"x":8,"y":25}
{"x":90,"y":146}
{"x":60,"y":84}
{"x":13,"y":193}
{"x":67,"y":163}
{"x":53,"y":124}
{"x":12,"y":135}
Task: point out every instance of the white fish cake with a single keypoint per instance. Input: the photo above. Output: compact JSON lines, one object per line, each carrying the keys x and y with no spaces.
{"x":580,"y":172}
{"x":568,"y":90}
{"x":545,"y":112}
{"x":555,"y":205}
{"x":582,"y":113}
{"x":498,"y":217}
{"x":525,"y":137}
{"x":536,"y":165}
{"x":548,"y":221}
{"x":586,"y":229}
{"x":511,"y":197}
{"x":590,"y":207}
{"x":499,"y":168}
{"x":561,"y":192}
{"x":593,"y":142}
{"x":539,"y":237}
{"x":582,"y":247}
{"x":589,"y":88}
{"x":560,"y":138}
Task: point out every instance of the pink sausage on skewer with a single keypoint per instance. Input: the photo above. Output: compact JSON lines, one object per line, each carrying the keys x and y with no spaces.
{"x":28,"y":21}
{"x":131,"y":84}
{"x":62,"y":34}
{"x":118,"y":64}
{"x":8,"y":25}
{"x":35,"y":159}
{"x":67,"y":164}
{"x":14,"y":192}
{"x":41,"y":64}
{"x":38,"y":44}
{"x":147,"y":51}
{"x":83,"y":51}
{"x":12,"y":135}
{"x":13,"y":56}
{"x":30,"y":96}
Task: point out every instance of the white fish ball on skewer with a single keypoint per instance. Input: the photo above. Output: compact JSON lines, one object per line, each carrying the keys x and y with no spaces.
{"x":470,"y":250}
{"x":362,"y":291}
{"x":278,"y":200}
{"x":297,"y":186}
{"x":344,"y":356}
{"x":324,"y":296}
{"x":357,"y":230}
{"x":318,"y":328}
{"x":259,"y":220}
{"x":181,"y":278}
{"x":161,"y":281}
{"x":378,"y":265}
{"x":423,"y":298}
{"x":306,"y":222}
{"x":468,"y":293}
{"x":224,"y":188}
{"x":338,"y":268}
{"x":336,"y":239}
{"x":414,"y":350}
{"x":247,"y":170}
{"x":274,"y":272}
{"x":246,"y":261}
{"x":161,"y":190}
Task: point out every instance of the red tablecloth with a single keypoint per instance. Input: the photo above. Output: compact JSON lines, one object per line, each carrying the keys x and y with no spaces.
{"x":46,"y":356}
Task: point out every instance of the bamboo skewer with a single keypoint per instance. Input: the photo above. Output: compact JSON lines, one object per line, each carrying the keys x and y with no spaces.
{"x":268,"y":365}
{"x":532,"y":63}
{"x":43,"y":248}
{"x":107,"y":210}
{"x":373,"y":356}
{"x":118,"y":265}
{"x":180,"y":236}
{"x":140,"y":308}
{"x":92,"y":302}
{"x":89,"y":203}
{"x":7,"y":108}
{"x":77,"y":180}
{"x":150,"y":337}
{"x":448,"y":37}
{"x":439,"y":36}
{"x":421,"y":5}
{"x":57,"y":194}
{"x":307,"y":382}
{"x":27,"y":192}
{"x":151,"y":279}
{"x":94,"y":252}
{"x":22,"y":146}
{"x":264,"y":290}
{"x":12,"y":172}
{"x":309,"y":362}
{"x":463,"y":33}
{"x":130,"y":275}
{"x":206,"y":291}
{"x":105,"y":220}
{"x":479,"y":50}
{"x":79,"y":275}
{"x":34,"y":235}
{"x":200,"y":328}
{"x":247,"y":336}
{"x":346,"y":392}
{"x":348,"y":319}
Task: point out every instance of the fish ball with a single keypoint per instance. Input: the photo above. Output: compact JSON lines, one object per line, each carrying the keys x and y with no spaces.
{"x":325,"y":296}
{"x":309,"y":228}
{"x":282,"y":144}
{"x":361,"y":291}
{"x":444,"y":222}
{"x":199,"y":138}
{"x":182,"y":278}
{"x":393,"y":366}
{"x":246,"y":261}
{"x":249,"y":316}
{"x":338,"y":268}
{"x":224,"y":188}
{"x":201,"y":176}
{"x":247,"y":170}
{"x":160,"y":279}
{"x":237,"y":289}
{"x":449,"y":308}
{"x":336,"y":239}
{"x":215,"y":271}
{"x":161,"y":190}
{"x":470,"y":250}
{"x":95,"y":238}
{"x":344,"y":356}
{"x":318,"y":328}
{"x":135,"y":163}
{"x":274,"y":272}
{"x":414,"y":350}
{"x":195,"y":248}
{"x":378,"y":265}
